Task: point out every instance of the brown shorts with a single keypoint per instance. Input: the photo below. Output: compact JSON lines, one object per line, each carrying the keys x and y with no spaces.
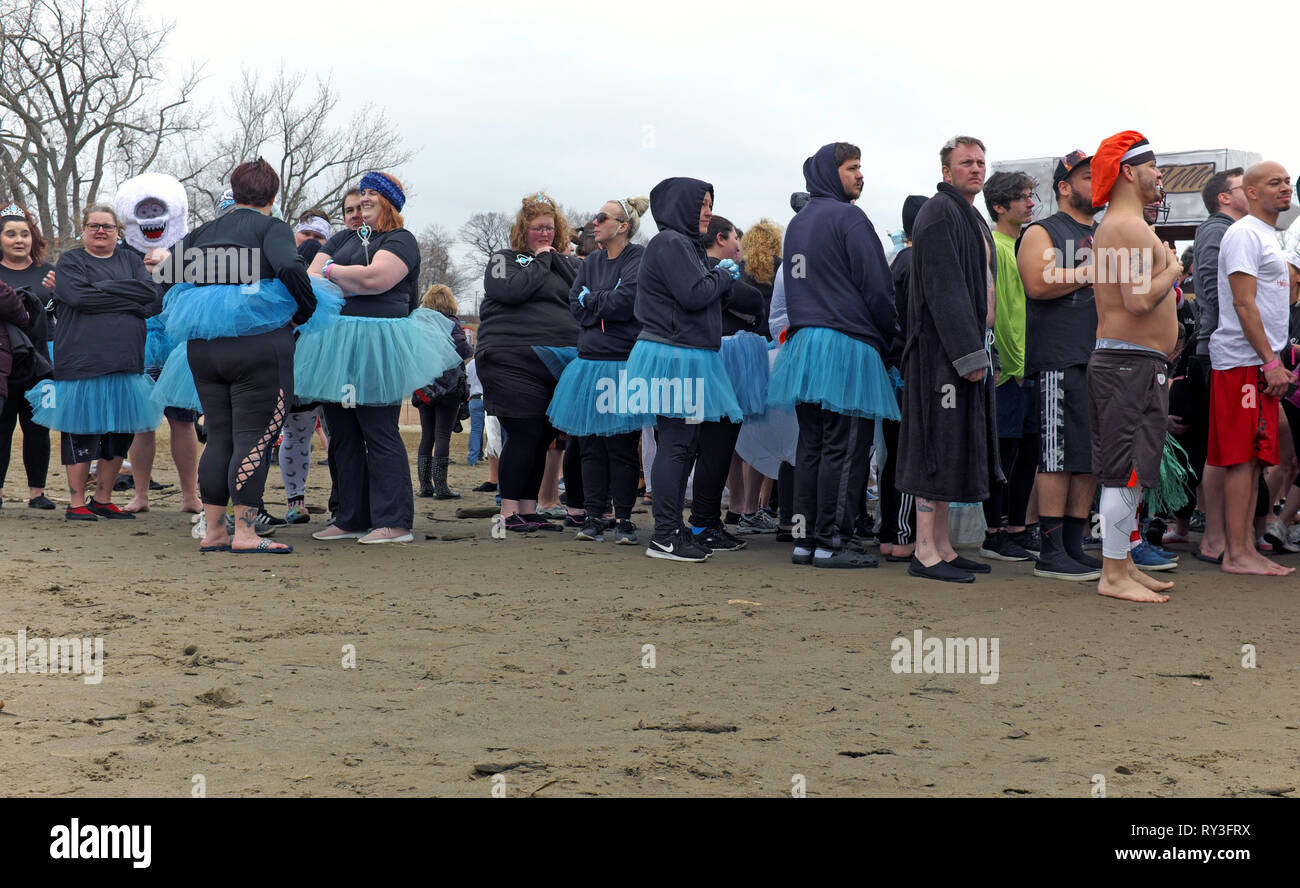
{"x":1128,"y":400}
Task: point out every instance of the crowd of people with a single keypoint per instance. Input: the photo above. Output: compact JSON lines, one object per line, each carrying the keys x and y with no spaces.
{"x":1080,"y":380}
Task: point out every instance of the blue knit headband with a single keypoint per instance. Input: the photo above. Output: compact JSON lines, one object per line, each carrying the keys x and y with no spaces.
{"x":385,"y":186}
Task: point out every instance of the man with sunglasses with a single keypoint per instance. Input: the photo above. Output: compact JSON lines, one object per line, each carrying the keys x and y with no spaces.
{"x":1010,"y":200}
{"x":1056,"y":267}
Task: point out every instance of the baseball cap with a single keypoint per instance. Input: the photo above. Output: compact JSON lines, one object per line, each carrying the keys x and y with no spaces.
{"x":1068,"y":164}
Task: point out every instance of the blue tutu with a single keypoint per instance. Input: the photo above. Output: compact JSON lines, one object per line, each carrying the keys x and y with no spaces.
{"x":372,"y":361}
{"x":669,"y":380}
{"x":219,"y":311}
{"x":822,"y":366}
{"x":556,"y":359}
{"x":745,"y":357}
{"x":586,"y":400}
{"x":329,"y":303}
{"x":175,"y":385}
{"x":118,"y":402}
{"x":157,"y":344}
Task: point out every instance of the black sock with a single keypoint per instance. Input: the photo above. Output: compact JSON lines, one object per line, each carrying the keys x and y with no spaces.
{"x":1072,"y":536}
{"x":1051,"y":531}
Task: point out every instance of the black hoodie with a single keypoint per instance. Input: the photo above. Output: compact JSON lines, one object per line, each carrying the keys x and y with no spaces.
{"x":526,"y":301}
{"x":842,"y":279}
{"x":102,"y":306}
{"x":679,"y":300}
{"x":607,"y":314}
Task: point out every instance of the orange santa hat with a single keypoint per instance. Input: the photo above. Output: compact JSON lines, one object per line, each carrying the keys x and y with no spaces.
{"x":1129,"y":147}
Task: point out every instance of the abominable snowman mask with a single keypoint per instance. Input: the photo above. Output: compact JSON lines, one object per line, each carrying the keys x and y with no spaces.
{"x":154,"y":209}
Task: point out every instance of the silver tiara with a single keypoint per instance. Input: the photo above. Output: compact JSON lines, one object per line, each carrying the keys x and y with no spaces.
{"x":13,"y":210}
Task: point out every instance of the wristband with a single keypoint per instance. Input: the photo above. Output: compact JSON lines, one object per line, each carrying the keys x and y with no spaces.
{"x":325,"y":269}
{"x":1271,"y":365}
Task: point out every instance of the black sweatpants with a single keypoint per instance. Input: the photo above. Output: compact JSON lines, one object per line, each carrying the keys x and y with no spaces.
{"x":678,"y":443}
{"x":374,"y":474}
{"x":523,"y":456}
{"x":1189,"y":398}
{"x":571,"y":471}
{"x":36,"y":439}
{"x":717,"y":442}
{"x":897,"y":509}
{"x":832,"y":460}
{"x":1008,"y":502}
{"x":785,"y":494}
{"x":436,"y":422}
{"x":610,"y":467}
{"x":245,"y":384}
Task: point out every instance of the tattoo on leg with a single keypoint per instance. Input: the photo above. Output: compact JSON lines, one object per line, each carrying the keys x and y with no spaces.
{"x":922,"y":507}
{"x":248,"y":519}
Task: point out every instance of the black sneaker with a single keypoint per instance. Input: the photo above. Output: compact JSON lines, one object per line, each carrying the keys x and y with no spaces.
{"x":717,"y":539}
{"x":1028,"y":539}
{"x":678,"y":547}
{"x":593,"y":530}
{"x":486,"y":487}
{"x":1062,"y":567}
{"x":541,"y":522}
{"x":1000,"y":547}
{"x":266,"y":520}
{"x":40,"y":502}
{"x":570,"y":522}
{"x":107,"y":510}
{"x":845,"y":558}
{"x":625,"y":534}
{"x":515,"y":524}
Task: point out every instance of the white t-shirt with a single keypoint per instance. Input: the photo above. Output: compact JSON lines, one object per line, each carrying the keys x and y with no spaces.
{"x":475,"y":387}
{"x":1252,"y":246}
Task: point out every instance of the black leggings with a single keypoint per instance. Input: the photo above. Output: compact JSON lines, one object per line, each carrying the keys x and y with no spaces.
{"x":523,"y":457}
{"x":436,"y":422}
{"x":717,"y":442}
{"x":244,"y":384}
{"x":575,"y":499}
{"x":609,"y":470}
{"x":1019,"y":458}
{"x":36,"y":440}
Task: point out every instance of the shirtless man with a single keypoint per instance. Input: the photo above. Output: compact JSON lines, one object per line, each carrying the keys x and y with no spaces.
{"x":1137,"y":330}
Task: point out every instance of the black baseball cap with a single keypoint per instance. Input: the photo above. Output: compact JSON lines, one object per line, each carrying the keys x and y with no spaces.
{"x":1068,"y":164}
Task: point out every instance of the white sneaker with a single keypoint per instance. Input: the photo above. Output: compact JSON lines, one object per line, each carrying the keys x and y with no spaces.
{"x":200,"y":528}
{"x":334,"y":532}
{"x":1293,"y":535}
{"x":1280,"y":537}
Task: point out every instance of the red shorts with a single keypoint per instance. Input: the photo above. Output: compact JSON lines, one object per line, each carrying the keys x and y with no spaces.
{"x":1243,"y":420}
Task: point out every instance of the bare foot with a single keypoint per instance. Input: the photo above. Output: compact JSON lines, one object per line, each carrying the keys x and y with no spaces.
{"x":1130,"y":589}
{"x":213,"y":539}
{"x":138,"y":504}
{"x":193,"y":507}
{"x":1149,"y":581}
{"x":1256,"y":564}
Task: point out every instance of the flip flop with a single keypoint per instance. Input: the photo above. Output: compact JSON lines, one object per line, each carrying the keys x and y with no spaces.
{"x":1196,"y":553}
{"x":225,"y":547}
{"x":263,"y":547}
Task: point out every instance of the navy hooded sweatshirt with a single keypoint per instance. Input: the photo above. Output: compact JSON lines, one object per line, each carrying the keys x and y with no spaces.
{"x":843,"y":280}
{"x":742,"y":309}
{"x":679,"y":299}
{"x":607,"y":314}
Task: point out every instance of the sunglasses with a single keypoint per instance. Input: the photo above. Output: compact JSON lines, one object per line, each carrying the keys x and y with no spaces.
{"x":600,"y":218}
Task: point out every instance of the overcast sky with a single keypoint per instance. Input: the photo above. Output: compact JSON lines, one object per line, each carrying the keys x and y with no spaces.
{"x":597,"y":101}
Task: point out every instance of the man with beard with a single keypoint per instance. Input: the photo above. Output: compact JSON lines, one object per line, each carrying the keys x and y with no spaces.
{"x":1055,"y":262}
{"x":1137,"y":330}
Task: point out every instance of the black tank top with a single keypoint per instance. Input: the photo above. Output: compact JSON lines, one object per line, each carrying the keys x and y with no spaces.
{"x":1061,"y":332}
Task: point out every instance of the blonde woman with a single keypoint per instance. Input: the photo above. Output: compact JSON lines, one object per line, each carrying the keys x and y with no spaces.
{"x":440,"y":408}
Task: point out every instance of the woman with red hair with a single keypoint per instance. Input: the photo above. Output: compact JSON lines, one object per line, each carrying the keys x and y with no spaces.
{"x":364,"y":365}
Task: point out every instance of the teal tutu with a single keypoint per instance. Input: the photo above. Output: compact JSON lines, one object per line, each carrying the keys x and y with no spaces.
{"x":118,"y":402}
{"x":669,"y":380}
{"x":372,"y":361}
{"x":220,"y":311}
{"x":745,"y":357}
{"x":175,"y":385}
{"x":329,"y":303}
{"x":822,"y":366}
{"x":586,"y":400}
{"x":157,"y":344}
{"x":555,"y":359}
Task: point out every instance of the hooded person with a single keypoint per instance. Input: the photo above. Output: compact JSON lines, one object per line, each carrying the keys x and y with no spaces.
{"x":948,"y":440}
{"x":840,"y":302}
{"x":675,"y":376}
{"x":154,"y":210}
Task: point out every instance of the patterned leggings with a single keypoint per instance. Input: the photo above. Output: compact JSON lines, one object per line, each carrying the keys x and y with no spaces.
{"x":295,"y":452}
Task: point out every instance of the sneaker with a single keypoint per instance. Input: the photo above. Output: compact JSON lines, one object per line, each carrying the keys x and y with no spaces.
{"x":759,"y":522}
{"x":296,"y":515}
{"x":593,"y":531}
{"x":539,"y":522}
{"x":1000,"y":547}
{"x":1165,"y":554}
{"x":678,"y":547}
{"x":1154,"y":533}
{"x":1147,"y":557}
{"x":1028,"y":539}
{"x":200,"y":528}
{"x":40,"y":502}
{"x":334,"y":532}
{"x":80,"y":513}
{"x":108,"y":510}
{"x":1293,"y":535}
{"x":486,"y":487}
{"x":571,"y":522}
{"x":261,"y":528}
{"x":1278,"y":536}
{"x":1063,"y":567}
{"x":1263,"y":545}
{"x":716,"y":538}
{"x":625,"y":533}
{"x":732,"y":518}
{"x":1197,"y":523}
{"x":1172,"y":538}
{"x":515,"y":524}
{"x":266,"y":519}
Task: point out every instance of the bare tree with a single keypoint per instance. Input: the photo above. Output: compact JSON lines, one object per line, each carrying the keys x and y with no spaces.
{"x":81,"y":88}
{"x":437,"y":265}
{"x":297,"y":126}
{"x":484,"y":234}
